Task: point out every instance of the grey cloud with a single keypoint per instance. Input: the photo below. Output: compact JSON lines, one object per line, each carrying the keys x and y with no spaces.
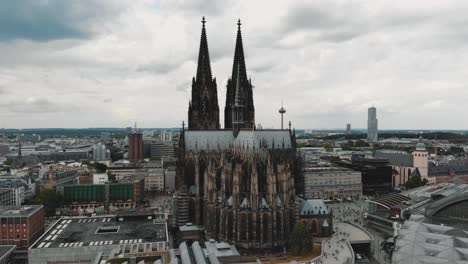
{"x":36,"y":105}
{"x":52,"y":19}
{"x":158,"y":67}
{"x":183,"y":87}
{"x":327,"y":23}
{"x":197,"y":7}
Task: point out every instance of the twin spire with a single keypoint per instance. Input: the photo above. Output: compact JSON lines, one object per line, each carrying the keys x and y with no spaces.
{"x":203,"y":107}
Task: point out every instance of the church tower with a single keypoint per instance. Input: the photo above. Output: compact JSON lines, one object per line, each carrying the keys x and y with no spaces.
{"x":239,"y":88}
{"x":203,"y":112}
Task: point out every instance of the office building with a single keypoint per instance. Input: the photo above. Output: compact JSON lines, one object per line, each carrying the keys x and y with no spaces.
{"x":348,"y":129}
{"x":376,"y":174}
{"x":21,"y":225}
{"x":325,"y":181}
{"x":7,"y":197}
{"x":100,"y":152}
{"x":157,"y":150}
{"x":22,"y":188}
{"x":165,"y":135}
{"x":100,"y":198}
{"x":154,"y":176}
{"x":135,"y":145}
{"x":372,"y":125}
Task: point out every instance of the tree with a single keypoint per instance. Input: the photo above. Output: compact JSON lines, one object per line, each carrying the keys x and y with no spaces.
{"x":50,"y":199}
{"x":300,"y":240}
{"x":414,"y":182}
{"x":100,"y":168}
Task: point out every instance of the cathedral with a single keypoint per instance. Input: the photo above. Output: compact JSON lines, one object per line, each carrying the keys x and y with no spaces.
{"x":240,"y":179}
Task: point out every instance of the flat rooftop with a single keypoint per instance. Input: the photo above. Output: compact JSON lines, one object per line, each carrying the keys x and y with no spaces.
{"x":319,"y":168}
{"x":102,"y":230}
{"x":5,"y":250}
{"x":221,"y":249}
{"x":15,"y":211}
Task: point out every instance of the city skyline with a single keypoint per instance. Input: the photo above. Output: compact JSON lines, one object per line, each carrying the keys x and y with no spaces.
{"x":115,"y":62}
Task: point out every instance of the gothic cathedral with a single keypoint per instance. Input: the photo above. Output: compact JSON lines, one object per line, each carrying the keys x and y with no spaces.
{"x":240,"y":180}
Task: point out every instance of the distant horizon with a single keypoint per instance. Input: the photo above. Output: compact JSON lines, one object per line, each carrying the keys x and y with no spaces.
{"x":177,"y":128}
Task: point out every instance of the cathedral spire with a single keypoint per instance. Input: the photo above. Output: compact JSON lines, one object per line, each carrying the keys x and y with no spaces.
{"x":239,"y":60}
{"x":204,"y":67}
{"x":237,"y":85}
{"x":203,"y":110}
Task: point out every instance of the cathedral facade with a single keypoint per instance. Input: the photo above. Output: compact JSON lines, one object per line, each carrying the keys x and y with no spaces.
{"x":240,"y":179}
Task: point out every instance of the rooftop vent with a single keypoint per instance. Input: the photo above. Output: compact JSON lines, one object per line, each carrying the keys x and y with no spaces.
{"x":107,"y":229}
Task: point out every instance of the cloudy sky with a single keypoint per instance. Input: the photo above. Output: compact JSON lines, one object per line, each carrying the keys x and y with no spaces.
{"x":108,"y":63}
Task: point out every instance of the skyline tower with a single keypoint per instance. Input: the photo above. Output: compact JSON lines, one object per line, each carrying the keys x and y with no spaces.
{"x":4,"y":136}
{"x":282,"y":111}
{"x":348,"y":129}
{"x":372,"y":125}
{"x":203,"y":112}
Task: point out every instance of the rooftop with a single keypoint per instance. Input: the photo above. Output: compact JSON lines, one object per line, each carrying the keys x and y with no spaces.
{"x":224,"y":139}
{"x":103,"y":230}
{"x":190,"y":227}
{"x":419,"y":242}
{"x":320,"y":168}
{"x":221,"y":249}
{"x":314,"y":207}
{"x":4,"y":250}
{"x":15,"y":211}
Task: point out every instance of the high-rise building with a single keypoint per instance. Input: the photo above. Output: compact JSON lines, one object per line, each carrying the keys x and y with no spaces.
{"x":348,"y":129}
{"x":4,"y":136}
{"x":372,"y":125}
{"x":100,"y":152}
{"x":135,"y":145}
{"x":165,"y":135}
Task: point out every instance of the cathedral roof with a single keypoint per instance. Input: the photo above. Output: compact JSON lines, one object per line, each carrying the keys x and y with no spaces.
{"x":198,"y":140}
{"x":273,"y":139}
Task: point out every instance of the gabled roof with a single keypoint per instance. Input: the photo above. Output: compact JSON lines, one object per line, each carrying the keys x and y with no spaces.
{"x":416,"y":173}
